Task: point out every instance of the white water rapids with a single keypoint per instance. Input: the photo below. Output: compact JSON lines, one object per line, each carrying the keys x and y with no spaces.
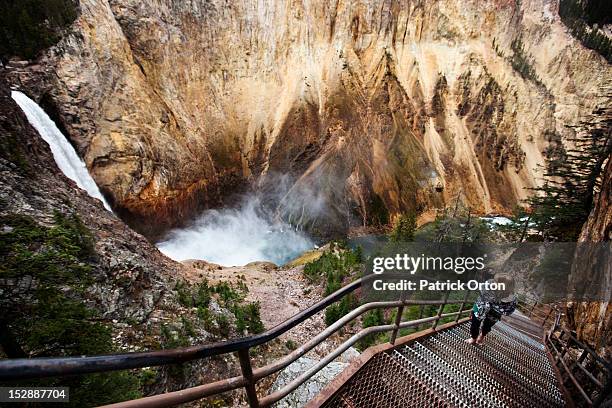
{"x":236,"y":236}
{"x":64,"y":154}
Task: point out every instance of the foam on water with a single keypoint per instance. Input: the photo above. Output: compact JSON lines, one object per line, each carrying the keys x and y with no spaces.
{"x":237,"y":236}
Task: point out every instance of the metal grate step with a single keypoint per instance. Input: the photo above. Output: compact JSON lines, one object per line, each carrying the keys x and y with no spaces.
{"x":510,"y":370}
{"x":384,"y":384}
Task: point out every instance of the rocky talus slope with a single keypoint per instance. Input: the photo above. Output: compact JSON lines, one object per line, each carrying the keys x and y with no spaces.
{"x":367,"y":108}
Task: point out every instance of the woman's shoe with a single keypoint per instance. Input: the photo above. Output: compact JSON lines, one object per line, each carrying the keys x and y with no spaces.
{"x":470,"y":341}
{"x":480,"y":340}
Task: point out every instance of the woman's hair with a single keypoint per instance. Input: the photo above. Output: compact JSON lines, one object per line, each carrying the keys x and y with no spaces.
{"x":508,"y":281}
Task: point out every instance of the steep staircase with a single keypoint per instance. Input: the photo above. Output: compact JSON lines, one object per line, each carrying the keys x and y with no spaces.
{"x":511,"y":369}
{"x":432,"y":367}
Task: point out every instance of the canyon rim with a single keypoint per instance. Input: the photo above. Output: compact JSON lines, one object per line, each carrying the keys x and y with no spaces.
{"x":375,"y":107}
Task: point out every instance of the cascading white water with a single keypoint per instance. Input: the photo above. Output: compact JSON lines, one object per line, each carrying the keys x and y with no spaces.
{"x":64,"y":154}
{"x":236,"y":236}
{"x":227,"y":237}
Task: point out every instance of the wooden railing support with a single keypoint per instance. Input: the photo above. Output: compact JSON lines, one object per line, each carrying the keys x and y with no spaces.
{"x":532,"y":308}
{"x":547,"y":316}
{"x":465,"y":298}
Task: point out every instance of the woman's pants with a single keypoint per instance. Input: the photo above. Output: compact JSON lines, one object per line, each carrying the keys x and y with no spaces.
{"x":487,"y":324}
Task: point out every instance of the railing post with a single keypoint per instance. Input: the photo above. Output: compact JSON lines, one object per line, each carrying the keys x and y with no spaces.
{"x":465,"y":298}
{"x":421,"y":310}
{"x":398,"y":320}
{"x":557,"y":321}
{"x":247,"y":373}
{"x":547,"y":316}
{"x":440,"y":310}
{"x":532,"y":308}
{"x":607,"y":389}
{"x":563,"y":347}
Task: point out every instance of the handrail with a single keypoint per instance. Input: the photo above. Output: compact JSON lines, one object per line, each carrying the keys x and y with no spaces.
{"x":59,"y":366}
{"x":589,"y":350}
{"x":173,"y":398}
{"x":278,"y":395}
{"x":571,"y":376}
{"x":558,"y":357}
{"x":191,"y":394}
{"x":46,"y":367}
{"x":24,"y":368}
{"x":312,"y":343}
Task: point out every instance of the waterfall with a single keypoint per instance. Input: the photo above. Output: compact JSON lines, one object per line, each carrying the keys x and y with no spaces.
{"x":64,"y":154}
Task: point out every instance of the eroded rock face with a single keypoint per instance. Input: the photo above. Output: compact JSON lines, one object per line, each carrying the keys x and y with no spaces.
{"x":132,"y":287}
{"x":354,"y":107}
{"x":131,"y":277}
{"x":592,"y":321}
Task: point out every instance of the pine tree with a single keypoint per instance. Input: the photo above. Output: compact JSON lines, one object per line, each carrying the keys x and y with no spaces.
{"x":29,"y":26}
{"x":571,"y":181}
{"x":404,"y":228}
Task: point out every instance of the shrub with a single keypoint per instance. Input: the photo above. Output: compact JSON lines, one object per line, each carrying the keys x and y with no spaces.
{"x":202,"y":294}
{"x":335,"y":267}
{"x":223,"y":324}
{"x":147,"y":376}
{"x":183,"y":294}
{"x":231,"y":297}
{"x":248,"y":318}
{"x":188,"y":328}
{"x":338,"y":310}
{"x":370,"y":319}
{"x":44,"y":272}
{"x":193,"y":296}
{"x":173,"y":337}
{"x":404,"y":228}
{"x":29,"y":26}
{"x":290,"y":344}
{"x":207,"y":319}
{"x":226,"y":293}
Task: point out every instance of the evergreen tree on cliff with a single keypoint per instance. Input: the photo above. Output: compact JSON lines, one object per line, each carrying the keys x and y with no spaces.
{"x":573,"y":179}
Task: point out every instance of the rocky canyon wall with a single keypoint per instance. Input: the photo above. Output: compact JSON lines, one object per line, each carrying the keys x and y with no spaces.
{"x":358,"y":109}
{"x":126,"y":287}
{"x":592,"y":269}
{"x":131,"y":278}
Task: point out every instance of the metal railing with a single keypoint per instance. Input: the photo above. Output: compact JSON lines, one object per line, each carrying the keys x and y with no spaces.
{"x":588,"y":364}
{"x":587,"y":389}
{"x":541,"y":313}
{"x":60,"y":366}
